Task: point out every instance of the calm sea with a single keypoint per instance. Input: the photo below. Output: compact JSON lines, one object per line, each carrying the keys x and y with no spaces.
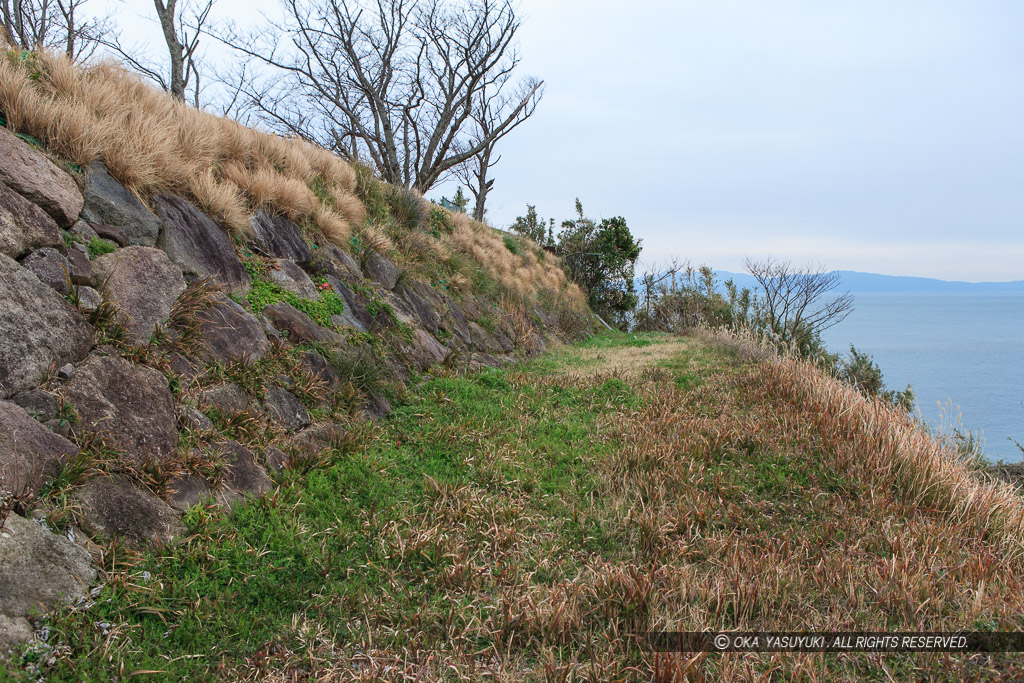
{"x":964,"y":348}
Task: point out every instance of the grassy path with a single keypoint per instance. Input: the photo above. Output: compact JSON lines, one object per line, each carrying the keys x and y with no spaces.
{"x":522,"y":523}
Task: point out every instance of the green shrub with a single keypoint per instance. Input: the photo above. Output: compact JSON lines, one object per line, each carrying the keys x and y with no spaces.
{"x":372,"y":193}
{"x":439,"y":222}
{"x":98,"y":247}
{"x":407,"y":208}
{"x":512,"y":244}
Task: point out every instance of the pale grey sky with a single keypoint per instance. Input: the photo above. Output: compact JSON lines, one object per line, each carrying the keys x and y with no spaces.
{"x":863,"y":134}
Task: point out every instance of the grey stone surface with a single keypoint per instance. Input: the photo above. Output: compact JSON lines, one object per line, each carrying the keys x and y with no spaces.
{"x":24,"y":226}
{"x":355,"y":314}
{"x":500,"y":336}
{"x":227,"y":398}
{"x":83,"y":232}
{"x":242,"y":476}
{"x":426,"y":315}
{"x":311,"y":441}
{"x":285,"y":409}
{"x":14,"y":632}
{"x":113,"y":508}
{"x":382,"y":271}
{"x":198,"y":245}
{"x":275,"y":459}
{"x":30,"y":454}
{"x":50,"y":267}
{"x":89,"y":299}
{"x":319,"y":366}
{"x":143,"y":283}
{"x":299,"y":326}
{"x":188,"y":489}
{"x":377,"y":407}
{"x":334,"y":261}
{"x":41,"y":405}
{"x":344,"y":259}
{"x":423,"y":350}
{"x":30,"y":173}
{"x":399,"y":308}
{"x":132,"y":403}
{"x":454,"y":321}
{"x":114,"y":234}
{"x":279,"y":237}
{"x":38,"y":571}
{"x":293,"y":279}
{"x":191,"y":417}
{"x":483,"y":340}
{"x":40,"y":329}
{"x":107,"y":202}
{"x":80,"y":268}
{"x":229,"y":331}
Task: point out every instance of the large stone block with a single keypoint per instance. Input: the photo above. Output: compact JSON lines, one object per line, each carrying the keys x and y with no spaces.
{"x":50,"y":266}
{"x":132,"y":403}
{"x":285,"y":409}
{"x":30,"y":173}
{"x":38,"y":569}
{"x":229,"y":331}
{"x":24,"y":226}
{"x":382,"y":271}
{"x":113,"y":508}
{"x":108,"y":202}
{"x":143,"y":283}
{"x":40,"y":329}
{"x":30,"y":454}
{"x":293,"y":279}
{"x":198,"y":245}
{"x":279,"y":237}
{"x":242,"y":475}
{"x":299,"y":326}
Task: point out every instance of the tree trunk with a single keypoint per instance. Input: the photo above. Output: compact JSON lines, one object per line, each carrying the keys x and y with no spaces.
{"x":174,"y":47}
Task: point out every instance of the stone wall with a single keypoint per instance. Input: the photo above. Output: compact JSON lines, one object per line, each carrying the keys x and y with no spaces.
{"x":149,"y":362}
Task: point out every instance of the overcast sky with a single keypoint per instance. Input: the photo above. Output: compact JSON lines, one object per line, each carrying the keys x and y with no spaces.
{"x":865,"y":135}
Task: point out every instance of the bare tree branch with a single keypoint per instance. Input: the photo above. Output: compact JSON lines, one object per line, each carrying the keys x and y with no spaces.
{"x":182,"y":24}
{"x":61,"y":25}
{"x":793,"y":296}
{"x":396,"y":83}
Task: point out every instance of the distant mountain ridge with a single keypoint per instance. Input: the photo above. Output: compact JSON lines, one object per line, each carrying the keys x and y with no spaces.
{"x":874,"y":283}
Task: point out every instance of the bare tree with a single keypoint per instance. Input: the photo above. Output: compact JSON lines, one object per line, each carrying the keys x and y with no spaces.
{"x":62,"y":25}
{"x":488,"y":113}
{"x":394,"y":82}
{"x":474,"y":174}
{"x":182,"y":23}
{"x":794,"y":304}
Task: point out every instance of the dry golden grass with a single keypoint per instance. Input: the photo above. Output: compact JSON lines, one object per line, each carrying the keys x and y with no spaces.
{"x":152,"y":144}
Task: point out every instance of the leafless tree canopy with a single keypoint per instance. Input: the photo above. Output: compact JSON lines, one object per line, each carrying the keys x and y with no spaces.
{"x":396,"y":83}
{"x":182,"y":24}
{"x":63,"y":25}
{"x":794,"y":298}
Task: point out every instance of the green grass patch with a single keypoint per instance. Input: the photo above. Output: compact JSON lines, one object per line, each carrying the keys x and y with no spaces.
{"x":98,"y":247}
{"x":263,"y":293}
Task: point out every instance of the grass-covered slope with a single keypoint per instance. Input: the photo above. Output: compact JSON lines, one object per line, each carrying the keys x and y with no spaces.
{"x":523,"y":523}
{"x":152,"y":144}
